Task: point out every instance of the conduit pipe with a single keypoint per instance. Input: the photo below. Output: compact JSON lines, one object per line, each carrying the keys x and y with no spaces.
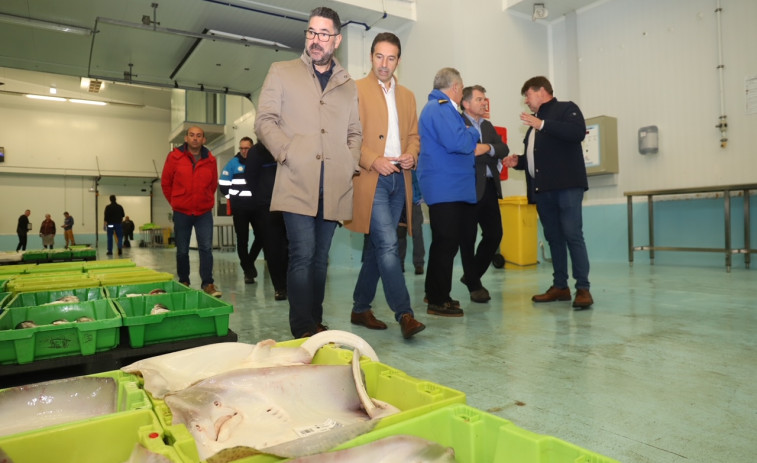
{"x":722,"y":120}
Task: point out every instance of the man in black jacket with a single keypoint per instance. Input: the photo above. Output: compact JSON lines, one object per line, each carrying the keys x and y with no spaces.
{"x":488,"y":191}
{"x":259,"y":175}
{"x":556,"y":181}
{"x":22,"y":230}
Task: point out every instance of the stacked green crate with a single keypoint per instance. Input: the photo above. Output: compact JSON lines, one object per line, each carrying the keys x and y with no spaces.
{"x":126,"y":290}
{"x":190,"y":314}
{"x":50,"y":281}
{"x":37,"y":298}
{"x":58,"y":330}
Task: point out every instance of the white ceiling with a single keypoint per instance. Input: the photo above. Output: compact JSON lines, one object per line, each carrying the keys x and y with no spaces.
{"x":556,"y":8}
{"x":171,"y":45}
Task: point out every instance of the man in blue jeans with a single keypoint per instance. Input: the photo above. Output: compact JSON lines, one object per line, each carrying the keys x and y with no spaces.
{"x":384,"y":186}
{"x":189,"y":181}
{"x":114,"y":214}
{"x":308,"y":119}
{"x":556,"y":181}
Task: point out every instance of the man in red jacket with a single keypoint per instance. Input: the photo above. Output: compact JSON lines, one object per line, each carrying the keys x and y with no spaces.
{"x":189,"y":181}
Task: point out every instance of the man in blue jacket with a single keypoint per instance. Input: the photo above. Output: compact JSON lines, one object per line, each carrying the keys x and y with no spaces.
{"x":556,"y":181}
{"x":447,"y":177}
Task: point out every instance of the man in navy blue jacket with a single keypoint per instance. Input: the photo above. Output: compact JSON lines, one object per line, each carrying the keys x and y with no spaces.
{"x":556,"y":181}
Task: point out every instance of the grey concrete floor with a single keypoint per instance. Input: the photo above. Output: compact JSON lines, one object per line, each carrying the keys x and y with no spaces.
{"x":663,"y":369}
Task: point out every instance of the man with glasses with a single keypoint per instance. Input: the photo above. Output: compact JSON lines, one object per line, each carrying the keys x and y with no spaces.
{"x":384,"y":186}
{"x":239,"y":194}
{"x":308,"y":119}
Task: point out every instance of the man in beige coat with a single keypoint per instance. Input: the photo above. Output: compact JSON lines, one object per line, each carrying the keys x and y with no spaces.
{"x":308,"y":119}
{"x":384,"y":186}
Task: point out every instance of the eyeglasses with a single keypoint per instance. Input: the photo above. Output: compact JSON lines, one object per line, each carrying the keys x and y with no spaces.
{"x":243,"y":148}
{"x":322,"y":36}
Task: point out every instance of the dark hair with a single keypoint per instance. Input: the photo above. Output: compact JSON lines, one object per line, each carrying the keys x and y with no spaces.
{"x":113,"y":198}
{"x":535,"y":83}
{"x":65,"y":213}
{"x":328,"y":13}
{"x":390,"y":38}
{"x":247,"y":139}
{"x":468,"y":91}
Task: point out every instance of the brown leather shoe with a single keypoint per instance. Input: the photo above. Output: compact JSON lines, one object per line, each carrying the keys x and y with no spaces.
{"x":368,"y":320}
{"x":410,"y":326}
{"x":583,"y":299}
{"x":419,"y":270}
{"x":553,"y":294}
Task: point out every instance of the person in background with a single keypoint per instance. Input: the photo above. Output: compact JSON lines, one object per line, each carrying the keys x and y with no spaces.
{"x":47,"y":232}
{"x":114,"y":214}
{"x":447,"y":176}
{"x":128,"y":228}
{"x":416,"y":230}
{"x":189,"y":181}
{"x":270,"y":230}
{"x":488,"y":193}
{"x":308,"y":119}
{"x":384,"y":187}
{"x":68,"y":232}
{"x":239,"y":194}
{"x":22,"y":230}
{"x":556,"y":181}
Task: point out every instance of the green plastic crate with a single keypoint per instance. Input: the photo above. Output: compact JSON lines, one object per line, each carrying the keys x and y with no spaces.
{"x":55,"y":267}
{"x":109,"y":263}
{"x":49,"y":341}
{"x":128,"y":395}
{"x":110,"y":439}
{"x":45,"y":297}
{"x":193,"y":314}
{"x":126,"y":278}
{"x":7,"y":271}
{"x":59,"y":254}
{"x":35,"y":256}
{"x":46,"y":282}
{"x":414,"y":397}
{"x":117,"y":291}
{"x":480,"y":437}
{"x":4,"y":298}
{"x":84,"y":252}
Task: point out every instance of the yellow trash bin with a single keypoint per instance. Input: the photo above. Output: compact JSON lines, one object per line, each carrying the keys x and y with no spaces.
{"x":518,"y":244}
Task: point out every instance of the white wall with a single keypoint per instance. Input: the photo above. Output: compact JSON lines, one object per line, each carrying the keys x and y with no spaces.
{"x":652,"y":62}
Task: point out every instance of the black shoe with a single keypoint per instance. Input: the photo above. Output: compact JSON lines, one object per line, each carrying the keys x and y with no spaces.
{"x":108,"y":253}
{"x":444,"y":310}
{"x":280,"y":295}
{"x":249,"y":278}
{"x":120,"y":252}
{"x":480,"y":295}
{"x":452,"y":302}
{"x":419,"y":270}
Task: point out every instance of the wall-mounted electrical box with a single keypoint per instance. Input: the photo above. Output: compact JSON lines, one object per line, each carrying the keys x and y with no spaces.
{"x":601,"y":145}
{"x":648,"y":140}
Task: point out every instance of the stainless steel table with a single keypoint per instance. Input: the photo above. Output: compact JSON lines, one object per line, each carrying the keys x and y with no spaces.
{"x":726,"y":190}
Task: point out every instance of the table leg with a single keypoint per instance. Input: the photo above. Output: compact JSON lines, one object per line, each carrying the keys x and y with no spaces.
{"x":728,"y":255}
{"x":747,"y":231}
{"x":650,"y":208}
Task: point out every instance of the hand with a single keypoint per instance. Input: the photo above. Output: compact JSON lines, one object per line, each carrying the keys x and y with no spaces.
{"x":510,"y":161}
{"x":482,"y":148}
{"x":384,"y":166}
{"x":531,"y":120}
{"x":407,"y":161}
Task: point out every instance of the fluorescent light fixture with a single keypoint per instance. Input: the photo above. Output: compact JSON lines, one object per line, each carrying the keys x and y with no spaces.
{"x":92,"y":102}
{"x":41,"y":24}
{"x":45,"y":97}
{"x":242,"y":39}
{"x":53,"y":90}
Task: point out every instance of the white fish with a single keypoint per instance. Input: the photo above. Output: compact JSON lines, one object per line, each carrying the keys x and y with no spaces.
{"x":64,"y":300}
{"x":178,"y":370}
{"x":142,"y":455}
{"x":274,"y":409}
{"x":55,"y":402}
{"x":159,"y":309}
{"x":84,"y":319}
{"x":61,"y":321}
{"x":157,"y":291}
{"x":392,"y":449}
{"x":26,"y":324}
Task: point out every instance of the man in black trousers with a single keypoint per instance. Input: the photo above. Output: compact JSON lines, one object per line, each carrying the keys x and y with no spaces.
{"x":488,"y":191}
